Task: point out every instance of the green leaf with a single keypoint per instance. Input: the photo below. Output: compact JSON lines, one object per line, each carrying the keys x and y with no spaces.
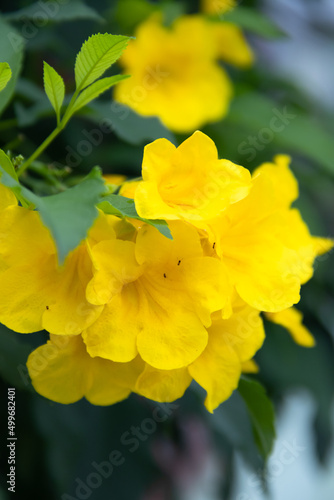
{"x":290,"y":128}
{"x":128,"y":125}
{"x":7,"y":165}
{"x":94,"y":90}
{"x":5,"y":74}
{"x":68,"y":215}
{"x":97,"y":54}
{"x":254,"y":21}
{"x":261,"y":413}
{"x":56,"y":12}
{"x":54,"y":88}
{"x":121,"y":206}
{"x":13,"y":357}
{"x":11,"y":43}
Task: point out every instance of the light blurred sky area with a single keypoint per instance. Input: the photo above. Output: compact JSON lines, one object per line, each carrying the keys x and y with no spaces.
{"x":306,"y":56}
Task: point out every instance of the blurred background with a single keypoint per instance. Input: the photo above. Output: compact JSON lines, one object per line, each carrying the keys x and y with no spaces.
{"x":189,"y":454}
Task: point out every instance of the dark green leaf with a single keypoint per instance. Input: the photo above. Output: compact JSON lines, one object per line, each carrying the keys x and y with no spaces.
{"x":13,"y":356}
{"x":56,"y":12}
{"x":127,"y":124}
{"x":288,"y":127}
{"x":68,"y":215}
{"x":125,"y":207}
{"x":261,"y":413}
{"x":254,"y":21}
{"x":11,"y":44}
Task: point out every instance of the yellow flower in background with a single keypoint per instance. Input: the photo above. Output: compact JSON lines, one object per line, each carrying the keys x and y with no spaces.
{"x":217,"y":6}
{"x":188,"y":182}
{"x":175,"y":74}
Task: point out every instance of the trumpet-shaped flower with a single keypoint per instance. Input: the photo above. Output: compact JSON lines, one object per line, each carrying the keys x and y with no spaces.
{"x":159,"y":295}
{"x":264,"y":244}
{"x":175,"y":74}
{"x":63,"y":370}
{"x":188,"y":182}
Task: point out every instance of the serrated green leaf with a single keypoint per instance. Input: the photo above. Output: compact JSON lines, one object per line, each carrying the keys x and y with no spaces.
{"x":94,"y":90}
{"x":5,"y":74}
{"x":121,"y":206}
{"x":11,"y":43}
{"x":56,"y":12}
{"x":54,"y":88}
{"x":261,"y":413}
{"x":254,"y":21}
{"x":68,"y":215}
{"x":97,"y":54}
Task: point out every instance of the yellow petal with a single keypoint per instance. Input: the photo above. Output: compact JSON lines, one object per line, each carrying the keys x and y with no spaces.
{"x":188,"y":182}
{"x":251,"y":241}
{"x":114,"y":266}
{"x":250,"y":366}
{"x":35,"y":292}
{"x":284,"y":184}
{"x":232,"y":46}
{"x":113,"y":335}
{"x":163,"y":386}
{"x":217,"y":370}
{"x":231,"y":342}
{"x":62,"y":371}
{"x":7,"y":197}
{"x":291,"y":319}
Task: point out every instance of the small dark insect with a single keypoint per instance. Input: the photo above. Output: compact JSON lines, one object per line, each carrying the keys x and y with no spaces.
{"x":47,"y":307}
{"x":213,"y":246}
{"x":179,"y":263}
{"x":165,"y":275}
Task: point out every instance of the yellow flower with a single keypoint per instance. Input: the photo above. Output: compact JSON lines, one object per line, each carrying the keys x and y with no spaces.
{"x":62,"y":371}
{"x":217,"y":6}
{"x":175,"y":74}
{"x":264,"y":244}
{"x":36,"y":292}
{"x":291,"y":319}
{"x":159,"y":295}
{"x":188,"y":182}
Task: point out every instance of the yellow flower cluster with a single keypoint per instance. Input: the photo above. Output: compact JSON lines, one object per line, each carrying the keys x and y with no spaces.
{"x":133,"y":311}
{"x":175,"y":73}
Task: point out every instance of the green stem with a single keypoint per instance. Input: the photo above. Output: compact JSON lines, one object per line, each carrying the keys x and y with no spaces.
{"x":39,"y":150}
{"x":50,"y":138}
